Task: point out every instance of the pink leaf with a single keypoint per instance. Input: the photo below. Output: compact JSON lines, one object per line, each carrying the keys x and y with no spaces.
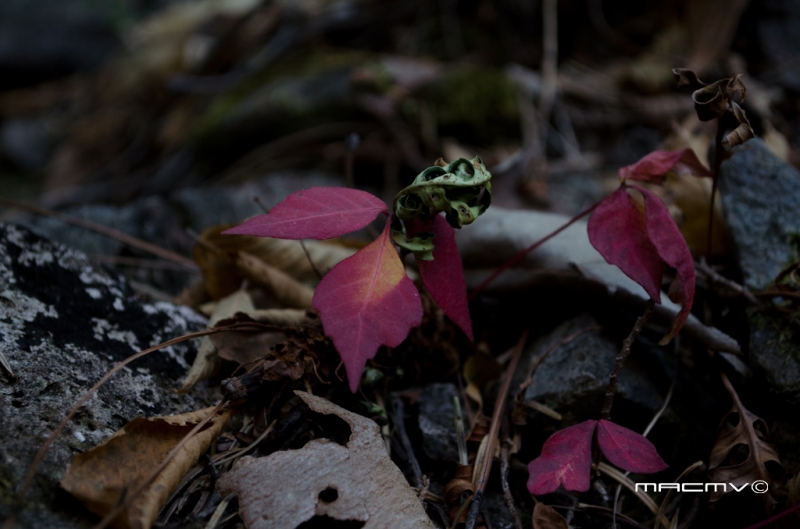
{"x":317,"y":213}
{"x":566,"y":460}
{"x":655,"y":166}
{"x":628,"y":449}
{"x":618,"y":230}
{"x":444,"y":276}
{"x":365,"y":301}
{"x":672,"y":248}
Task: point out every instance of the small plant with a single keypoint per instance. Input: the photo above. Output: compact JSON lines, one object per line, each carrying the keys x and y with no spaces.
{"x":367,"y":300}
{"x":640,"y":238}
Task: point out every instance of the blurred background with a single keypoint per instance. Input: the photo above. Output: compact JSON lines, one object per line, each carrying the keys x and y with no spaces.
{"x":152,"y":116}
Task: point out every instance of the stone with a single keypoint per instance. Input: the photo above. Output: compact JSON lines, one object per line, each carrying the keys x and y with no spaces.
{"x":437,"y":422}
{"x":573,"y":379}
{"x":63,"y":325}
{"x":761,"y":199}
{"x":774,"y":355}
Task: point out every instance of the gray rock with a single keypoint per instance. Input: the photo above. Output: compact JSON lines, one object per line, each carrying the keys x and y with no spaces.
{"x":775,"y":354}
{"x":63,"y":325}
{"x":210,"y":206}
{"x":573,"y":378}
{"x":761,"y":200}
{"x":436,"y":422}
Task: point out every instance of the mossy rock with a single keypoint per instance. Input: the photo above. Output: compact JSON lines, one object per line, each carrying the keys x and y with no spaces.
{"x":775,"y":354}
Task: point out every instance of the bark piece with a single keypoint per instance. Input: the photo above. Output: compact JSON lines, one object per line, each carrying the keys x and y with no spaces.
{"x":324,"y":479}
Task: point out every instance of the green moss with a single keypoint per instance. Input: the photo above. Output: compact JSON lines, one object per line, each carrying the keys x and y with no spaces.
{"x":782,"y":338}
{"x":304,"y":64}
{"x":475,"y":104}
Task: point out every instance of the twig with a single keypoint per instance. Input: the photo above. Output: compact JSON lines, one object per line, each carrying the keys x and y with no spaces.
{"x":623,"y":354}
{"x":219,"y":511}
{"x":512,"y":508}
{"x":520,"y":255}
{"x":626,"y":482}
{"x":715,"y":277}
{"x":499,"y":408}
{"x":661,"y":515}
{"x":719,"y":155}
{"x":103,"y":230}
{"x":400,"y":428}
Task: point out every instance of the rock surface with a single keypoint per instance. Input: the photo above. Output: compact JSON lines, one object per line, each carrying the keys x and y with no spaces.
{"x":761,"y":200}
{"x":573,"y":378}
{"x":436,"y":422}
{"x":63,"y":325}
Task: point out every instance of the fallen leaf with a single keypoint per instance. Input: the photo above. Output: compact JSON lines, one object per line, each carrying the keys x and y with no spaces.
{"x":285,"y":255}
{"x":742,"y":454}
{"x":566,"y":459}
{"x":627,"y":449}
{"x":443,"y":277}
{"x":545,"y":517}
{"x":207,"y":362}
{"x":367,"y":301}
{"x":284,"y":288}
{"x":100,"y":477}
{"x":316,"y":213}
{"x":324,"y":481}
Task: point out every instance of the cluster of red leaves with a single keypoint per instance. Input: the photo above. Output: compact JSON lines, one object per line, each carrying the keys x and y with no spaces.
{"x":567,"y":456}
{"x":640,"y":241}
{"x":367,"y":300}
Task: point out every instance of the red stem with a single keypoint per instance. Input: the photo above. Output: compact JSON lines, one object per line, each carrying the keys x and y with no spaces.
{"x":772,"y":519}
{"x":518,"y":257}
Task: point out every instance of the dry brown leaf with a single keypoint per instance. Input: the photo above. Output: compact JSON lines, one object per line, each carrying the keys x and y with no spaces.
{"x":354,"y":482}
{"x":742,"y":454}
{"x":284,"y":288}
{"x":742,"y":132}
{"x":207,"y":362}
{"x":285,"y":255}
{"x":545,"y":517}
{"x":793,"y":520}
{"x":100,"y":477}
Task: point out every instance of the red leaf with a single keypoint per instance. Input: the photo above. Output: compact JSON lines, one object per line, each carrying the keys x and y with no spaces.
{"x":566,"y":460}
{"x":365,"y":301}
{"x":316,"y":213}
{"x":672,"y":248}
{"x":628,"y":449}
{"x":618,"y":230}
{"x":655,"y":166}
{"x":444,"y":276}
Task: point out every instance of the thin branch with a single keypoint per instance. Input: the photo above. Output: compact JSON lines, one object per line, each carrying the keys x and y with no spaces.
{"x":499,"y":408}
{"x":103,"y":230}
{"x":623,"y":354}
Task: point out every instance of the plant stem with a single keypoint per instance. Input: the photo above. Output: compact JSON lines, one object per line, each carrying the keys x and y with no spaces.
{"x":519,"y":256}
{"x":719,"y":155}
{"x":623,"y":354}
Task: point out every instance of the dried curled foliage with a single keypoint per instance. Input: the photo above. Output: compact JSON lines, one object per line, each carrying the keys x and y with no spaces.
{"x":742,"y":455}
{"x":100,"y":478}
{"x":716,"y":101}
{"x":545,"y":517}
{"x":292,"y":359}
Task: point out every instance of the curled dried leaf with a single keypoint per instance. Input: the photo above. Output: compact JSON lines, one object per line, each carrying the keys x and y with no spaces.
{"x":687,"y":77}
{"x":742,"y":132}
{"x":710,"y":102}
{"x":459,"y":490}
